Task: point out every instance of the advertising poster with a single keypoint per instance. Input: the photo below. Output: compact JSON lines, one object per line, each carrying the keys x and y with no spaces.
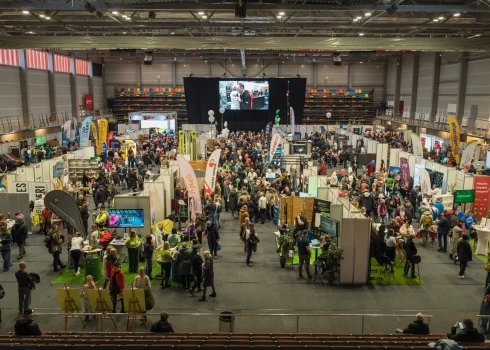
{"x":481,"y":185}
{"x":66,"y":134}
{"x":211,"y":170}
{"x":454,"y":136}
{"x":85,"y":131}
{"x":394,"y":169}
{"x":329,"y":226}
{"x":417,"y":145}
{"x":405,"y":171}
{"x":103,"y":130}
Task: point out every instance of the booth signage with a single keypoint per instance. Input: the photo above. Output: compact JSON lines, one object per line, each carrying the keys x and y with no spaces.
{"x":482,"y":195}
{"x":321,"y":206}
{"x":464,"y":196}
{"x":36,"y":188}
{"x":89,"y":102}
{"x":20,"y":187}
{"x":329,"y":226}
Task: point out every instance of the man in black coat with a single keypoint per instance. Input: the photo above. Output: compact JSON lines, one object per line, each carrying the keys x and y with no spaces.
{"x":469,"y":334}
{"x":27,"y":326}
{"x":162,"y":326}
{"x":443,"y":227}
{"x":410,"y":250}
{"x":244,"y":97}
{"x":19,"y":234}
{"x":416,"y":327}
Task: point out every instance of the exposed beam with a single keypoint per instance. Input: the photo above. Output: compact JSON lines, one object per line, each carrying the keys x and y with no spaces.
{"x":463,"y":78}
{"x":415,"y":84}
{"x":434,"y":100}
{"x":193,"y":15}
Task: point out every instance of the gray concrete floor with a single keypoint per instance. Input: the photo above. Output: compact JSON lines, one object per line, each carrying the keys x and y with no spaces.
{"x":266,"y":288}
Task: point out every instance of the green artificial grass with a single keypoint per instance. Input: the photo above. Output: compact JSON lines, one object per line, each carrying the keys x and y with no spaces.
{"x":296,"y":256}
{"x":473,"y":248}
{"x":68,"y":275}
{"x":397,"y":279}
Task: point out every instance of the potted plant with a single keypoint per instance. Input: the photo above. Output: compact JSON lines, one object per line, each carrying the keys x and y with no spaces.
{"x":285,"y":243}
{"x":333,"y":256}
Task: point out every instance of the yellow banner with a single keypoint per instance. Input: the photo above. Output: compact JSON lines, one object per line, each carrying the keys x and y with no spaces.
{"x":103,"y":127}
{"x":96,"y":137}
{"x":181,"y":142}
{"x":194,"y":144}
{"x":454,"y":136}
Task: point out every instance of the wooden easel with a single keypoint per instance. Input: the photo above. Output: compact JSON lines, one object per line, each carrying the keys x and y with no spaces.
{"x":70,"y":307}
{"x":134,"y":311}
{"x":401,"y":252}
{"x":102,"y":307}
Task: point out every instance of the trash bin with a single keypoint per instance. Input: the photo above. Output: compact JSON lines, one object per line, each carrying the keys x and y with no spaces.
{"x":93,"y":266}
{"x":226,"y":322}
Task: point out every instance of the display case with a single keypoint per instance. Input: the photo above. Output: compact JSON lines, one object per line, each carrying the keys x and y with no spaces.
{"x":447,"y":200}
{"x":77,"y":166}
{"x":347,"y":106}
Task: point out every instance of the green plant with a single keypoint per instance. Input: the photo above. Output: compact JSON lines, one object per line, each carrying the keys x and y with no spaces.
{"x":333,"y":256}
{"x":286,"y":243}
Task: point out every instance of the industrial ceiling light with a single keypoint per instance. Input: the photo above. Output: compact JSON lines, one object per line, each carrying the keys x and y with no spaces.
{"x":115,"y":13}
{"x":42,"y":16}
{"x":25,"y":12}
{"x":367,"y":14}
{"x":47,"y":18}
{"x":435,"y":20}
{"x":201,"y":13}
{"x":358,"y":17}
{"x":457,"y":14}
{"x":474,"y":36}
{"x":279,"y":16}
{"x":282,"y":13}
{"x":361,"y":34}
{"x":441,"y":18}
{"x":355,"y":20}
{"x":152,"y":15}
{"x":204,"y":16}
{"x":172,"y":33}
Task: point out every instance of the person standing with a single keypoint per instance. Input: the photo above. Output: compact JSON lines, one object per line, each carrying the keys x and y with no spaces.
{"x":443,"y":226}
{"x":85,"y":216}
{"x":262,"y":207}
{"x":196,"y":269}
{"x":410,"y":250}
{"x":251,"y":240}
{"x":245,"y":101}
{"x":25,"y":285}
{"x":304,"y":254}
{"x":133,"y":244}
{"x":148,"y":250}
{"x":142,"y":281}
{"x":5,"y":247}
{"x":19,"y":234}
{"x":76,"y":251}
{"x":425,"y":224}
{"x":109,"y":259}
{"x":208,"y":275}
{"x":165,"y":256}
{"x":212,"y":235}
{"x":464,"y":254}
{"x":56,"y":240}
{"x":183,"y":262}
{"x":89,"y":285}
{"x":116,"y":286}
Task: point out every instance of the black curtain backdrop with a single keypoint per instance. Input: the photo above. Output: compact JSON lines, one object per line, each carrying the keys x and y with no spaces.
{"x":202,"y":95}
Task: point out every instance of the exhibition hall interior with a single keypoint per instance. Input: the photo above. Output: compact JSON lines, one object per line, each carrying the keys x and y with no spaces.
{"x":245,"y":173}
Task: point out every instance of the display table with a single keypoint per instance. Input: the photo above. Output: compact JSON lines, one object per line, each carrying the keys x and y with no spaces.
{"x":122,"y":251}
{"x":483,"y":234}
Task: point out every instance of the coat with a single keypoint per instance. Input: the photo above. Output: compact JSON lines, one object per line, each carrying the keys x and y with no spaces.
{"x":184,"y":262}
{"x":417,"y":327}
{"x":367,"y":201}
{"x":119,"y":280}
{"x":464,"y":251}
{"x":19,"y":232}
{"x":212,"y":235}
{"x":233,"y":201}
{"x":485,"y":306}
{"x":444,"y":225}
{"x":208,"y":273}
{"x":410,"y":249}
{"x":241,"y":216}
{"x":197,"y":264}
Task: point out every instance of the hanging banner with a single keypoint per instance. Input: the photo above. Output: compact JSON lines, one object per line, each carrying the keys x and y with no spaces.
{"x":66,"y":133}
{"x":454,"y":136}
{"x":405,"y":171}
{"x":322,"y":128}
{"x":181,"y":142}
{"x":110,"y":136}
{"x":103,"y":125}
{"x":95,"y":136}
{"x":275,"y":141}
{"x":291,"y":115}
{"x":268,"y":128}
{"x":89,"y":102}
{"x":211,"y":169}
{"x":85,"y":131}
{"x":190,"y":179}
{"x":481,"y":184}
{"x":194,"y":144}
{"x":424,"y":181}
{"x":417,"y":146}
{"x":422,"y":141}
{"x":437,"y":145}
{"x":468,"y":154}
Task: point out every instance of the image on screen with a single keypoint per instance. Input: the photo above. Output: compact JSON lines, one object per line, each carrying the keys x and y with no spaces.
{"x":244,"y":95}
{"x":126,"y":218}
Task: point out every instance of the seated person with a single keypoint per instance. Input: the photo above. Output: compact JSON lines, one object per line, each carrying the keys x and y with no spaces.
{"x":300,"y":223}
{"x":26,"y":325}
{"x":162,"y":326}
{"x":469,"y":334}
{"x":407,"y":230}
{"x":325,"y":243}
{"x":416,"y":327}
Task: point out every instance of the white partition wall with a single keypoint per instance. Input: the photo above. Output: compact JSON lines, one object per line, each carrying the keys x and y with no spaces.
{"x":411,"y":164}
{"x":394,"y":157}
{"x":30,"y":174}
{"x":355,"y":240}
{"x":382,"y":150}
{"x":139,"y":202}
{"x":452,"y":179}
{"x":322,"y":193}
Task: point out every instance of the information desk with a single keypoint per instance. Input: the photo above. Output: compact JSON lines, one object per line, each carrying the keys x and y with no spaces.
{"x":483,"y":234}
{"x":122,"y":251}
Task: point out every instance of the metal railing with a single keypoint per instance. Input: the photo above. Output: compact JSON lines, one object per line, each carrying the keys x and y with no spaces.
{"x":297,"y":317}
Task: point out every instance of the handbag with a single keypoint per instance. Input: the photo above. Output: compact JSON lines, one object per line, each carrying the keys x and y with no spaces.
{"x":218,"y":246}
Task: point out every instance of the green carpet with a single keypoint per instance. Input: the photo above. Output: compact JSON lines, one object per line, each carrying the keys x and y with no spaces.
{"x":296,"y":256}
{"x":398,"y":279}
{"x":68,"y":275}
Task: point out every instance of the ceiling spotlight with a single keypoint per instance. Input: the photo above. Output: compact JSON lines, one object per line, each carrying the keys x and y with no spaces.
{"x":124,"y":33}
{"x":115,"y":13}
{"x":25,"y":12}
{"x":204,"y":16}
{"x":124,"y":16}
{"x":128,"y":18}
{"x":47,"y":18}
{"x":474,"y":36}
{"x":152,"y":15}
{"x":201,"y":13}
{"x":441,"y":18}
{"x":206,"y":61}
{"x":358,"y":17}
{"x":457,"y":14}
{"x":355,"y":20}
{"x":282,"y":13}
{"x":361,"y":34}
{"x":360,"y":62}
{"x":435,"y":20}
{"x":30,"y":32}
{"x":172,"y":33}
{"x":367,"y":14}
{"x":279,"y":16}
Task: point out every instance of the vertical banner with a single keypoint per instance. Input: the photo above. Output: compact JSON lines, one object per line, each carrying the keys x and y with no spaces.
{"x":181,"y":142}
{"x":110,"y":136}
{"x":89,"y":102}
{"x":468,"y":154}
{"x":424,"y":181}
{"x":95,"y":136}
{"x":481,"y":184}
{"x":323,"y":130}
{"x":405,"y":171}
{"x":268,"y":128}
{"x":103,"y":129}
{"x":275,"y":141}
{"x":194,"y":144}
{"x":291,"y":115}
{"x":66,"y":133}
{"x":454,"y":136}
{"x":190,"y":179}
{"x":85,"y":132}
{"x":211,"y":169}
{"x":417,"y":146}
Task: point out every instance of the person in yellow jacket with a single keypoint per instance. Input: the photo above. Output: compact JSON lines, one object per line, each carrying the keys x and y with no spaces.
{"x":102,"y":219}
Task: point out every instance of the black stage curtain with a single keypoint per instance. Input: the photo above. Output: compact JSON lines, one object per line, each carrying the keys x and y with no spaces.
{"x":202,"y":95}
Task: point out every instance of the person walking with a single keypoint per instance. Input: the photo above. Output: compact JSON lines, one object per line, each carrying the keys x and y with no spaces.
{"x":183,"y":262}
{"x":425,"y":224}
{"x":5,"y":247}
{"x":133,"y":244}
{"x":76,"y":251}
{"x":208,"y":275}
{"x":390,"y":247}
{"x":148,"y":250}
{"x":456,"y":234}
{"x":19,"y":234}
{"x":56,"y":241}
{"x":25,"y":285}
{"x":108,"y":261}
{"x":212,"y":236}
{"x":304,"y":254}
{"x":196,"y":269}
{"x":443,"y":227}
{"x":251,"y":240}
{"x":464,"y":254}
{"x":116,"y":286}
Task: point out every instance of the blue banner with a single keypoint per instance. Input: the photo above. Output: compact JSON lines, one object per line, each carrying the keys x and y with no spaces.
{"x":66,"y":133}
{"x":329,"y":226}
{"x":394,"y":169}
{"x":85,"y":131}
{"x":322,"y":128}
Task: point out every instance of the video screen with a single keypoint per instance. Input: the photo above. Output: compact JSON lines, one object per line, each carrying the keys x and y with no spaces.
{"x":244,"y":95}
{"x":126,"y":218}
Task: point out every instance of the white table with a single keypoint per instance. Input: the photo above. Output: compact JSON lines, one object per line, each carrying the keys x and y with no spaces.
{"x":483,"y":235}
{"x":122,"y":251}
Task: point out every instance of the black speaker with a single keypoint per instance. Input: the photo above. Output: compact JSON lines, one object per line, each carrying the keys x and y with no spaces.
{"x":97,"y":69}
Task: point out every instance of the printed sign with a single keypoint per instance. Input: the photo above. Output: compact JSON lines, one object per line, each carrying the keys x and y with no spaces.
{"x":329,"y":226}
{"x":481,"y":185}
{"x":464,"y":196}
{"x":19,"y":187}
{"x":36,"y":188}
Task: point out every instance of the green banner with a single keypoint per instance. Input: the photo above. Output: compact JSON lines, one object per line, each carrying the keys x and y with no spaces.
{"x":464,"y":196}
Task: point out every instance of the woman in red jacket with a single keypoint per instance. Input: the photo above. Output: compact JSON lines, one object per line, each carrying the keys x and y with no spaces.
{"x":116,"y":286}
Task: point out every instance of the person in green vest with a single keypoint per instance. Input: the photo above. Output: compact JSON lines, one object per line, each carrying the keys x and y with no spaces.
{"x":133,"y":244}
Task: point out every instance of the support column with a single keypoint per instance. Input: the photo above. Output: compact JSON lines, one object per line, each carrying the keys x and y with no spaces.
{"x":174,"y":73}
{"x":24,"y":86}
{"x":315,"y":74}
{"x":51,"y":84}
{"x":348,"y":74}
{"x":415,"y":83}
{"x":385,"y":80}
{"x":279,"y":69}
{"x":397,"y":86}
{"x":73,"y":85}
{"x":435,"y":86}
{"x":138,"y":74}
{"x":104,"y":87}
{"x":463,"y":77}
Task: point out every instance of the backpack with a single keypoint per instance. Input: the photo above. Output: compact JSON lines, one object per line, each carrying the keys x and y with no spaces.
{"x":48,"y":241}
{"x":426,"y":220}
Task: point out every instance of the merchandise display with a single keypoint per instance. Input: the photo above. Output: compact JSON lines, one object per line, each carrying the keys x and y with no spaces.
{"x":76,"y":167}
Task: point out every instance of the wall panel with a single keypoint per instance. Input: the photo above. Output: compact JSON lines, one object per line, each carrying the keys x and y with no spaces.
{"x":10,"y":95}
{"x":391,"y":79}
{"x":425,"y":78}
{"x":63,"y":92}
{"x":99,"y":102}
{"x":38,"y":91}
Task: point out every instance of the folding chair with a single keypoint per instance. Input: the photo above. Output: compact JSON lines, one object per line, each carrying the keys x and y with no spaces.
{"x":386,"y":266}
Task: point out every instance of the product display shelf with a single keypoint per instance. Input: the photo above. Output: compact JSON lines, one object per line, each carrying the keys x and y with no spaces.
{"x":127,"y":100}
{"x":447,"y":200}
{"x":348,"y":106}
{"x":76,"y":167}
